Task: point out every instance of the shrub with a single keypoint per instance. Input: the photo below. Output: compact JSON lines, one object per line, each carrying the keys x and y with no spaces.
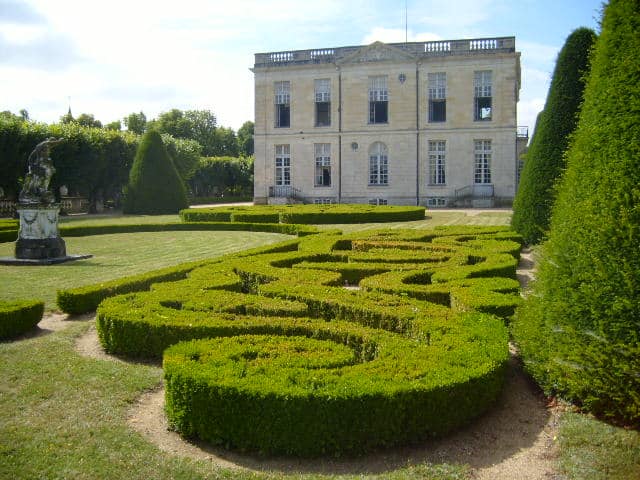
{"x":18,"y":317}
{"x":280,"y":358}
{"x":154,"y":184}
{"x":578,"y":331}
{"x":545,"y":157}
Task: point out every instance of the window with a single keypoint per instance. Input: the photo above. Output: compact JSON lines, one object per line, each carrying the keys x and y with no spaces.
{"x":323,"y":102}
{"x":377,"y":201}
{"x":378,"y":165}
{"x":283,"y":104}
{"x":437,"y":87}
{"x":482,"y":172}
{"x":437,"y":159}
{"x":378,"y":100}
{"x":323,"y":201}
{"x":323,"y":164}
{"x":482,"y":95}
{"x":283,"y":165}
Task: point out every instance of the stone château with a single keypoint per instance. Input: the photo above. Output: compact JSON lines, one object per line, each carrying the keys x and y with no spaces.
{"x":426,"y":123}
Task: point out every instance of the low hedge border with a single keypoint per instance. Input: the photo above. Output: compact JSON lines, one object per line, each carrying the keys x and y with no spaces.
{"x":418,"y":368}
{"x":18,"y":317}
{"x":307,"y":214}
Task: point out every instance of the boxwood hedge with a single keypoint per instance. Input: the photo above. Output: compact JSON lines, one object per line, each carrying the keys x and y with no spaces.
{"x":268,"y":351}
{"x":18,"y":317}
{"x":306,"y":214}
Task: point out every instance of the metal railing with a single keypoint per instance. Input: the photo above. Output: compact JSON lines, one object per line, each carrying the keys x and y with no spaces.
{"x":285,"y":191}
{"x":522,"y":132}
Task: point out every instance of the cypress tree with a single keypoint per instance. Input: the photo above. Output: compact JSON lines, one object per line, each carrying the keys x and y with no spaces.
{"x":154,"y":184}
{"x":545,"y":157}
{"x":579,"y":329}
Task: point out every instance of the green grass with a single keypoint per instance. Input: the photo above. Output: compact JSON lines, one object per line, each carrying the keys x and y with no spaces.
{"x":119,"y":255}
{"x":65,"y":416}
{"x":593,"y":450}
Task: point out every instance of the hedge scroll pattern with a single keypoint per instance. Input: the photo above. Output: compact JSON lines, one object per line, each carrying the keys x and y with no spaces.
{"x":336,"y":345}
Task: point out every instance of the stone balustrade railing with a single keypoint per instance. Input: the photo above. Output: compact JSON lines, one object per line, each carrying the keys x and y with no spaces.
{"x":417,"y":49}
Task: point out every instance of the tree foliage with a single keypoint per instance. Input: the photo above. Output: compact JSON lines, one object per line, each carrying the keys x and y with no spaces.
{"x":222,"y":176}
{"x":579,"y":331}
{"x":545,"y":157}
{"x":136,"y":122}
{"x":245,"y":139}
{"x":154,"y":184}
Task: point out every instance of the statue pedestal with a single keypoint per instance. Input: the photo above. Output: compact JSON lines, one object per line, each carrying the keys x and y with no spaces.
{"x":38,"y":238}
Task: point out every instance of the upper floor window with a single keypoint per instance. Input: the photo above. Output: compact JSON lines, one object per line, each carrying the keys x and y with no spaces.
{"x":482,"y":170}
{"x":437,"y":86}
{"x":323,"y":102}
{"x":323,"y":164}
{"x":282,"y":100}
{"x":378,"y":164}
{"x":283,"y":165}
{"x":482,"y":95}
{"x":378,"y":99}
{"x":437,"y":159}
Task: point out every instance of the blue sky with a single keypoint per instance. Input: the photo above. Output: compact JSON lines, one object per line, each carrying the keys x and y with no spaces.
{"x":117,"y":57}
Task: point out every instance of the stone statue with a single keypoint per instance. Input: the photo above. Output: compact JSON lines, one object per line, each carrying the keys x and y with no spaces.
{"x":35,"y":189}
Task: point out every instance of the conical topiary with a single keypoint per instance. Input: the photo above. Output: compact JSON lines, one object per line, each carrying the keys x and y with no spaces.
{"x":579,"y":329}
{"x":545,"y":157}
{"x":154,"y":184}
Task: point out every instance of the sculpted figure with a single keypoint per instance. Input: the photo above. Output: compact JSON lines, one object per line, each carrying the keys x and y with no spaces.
{"x":40,"y":170}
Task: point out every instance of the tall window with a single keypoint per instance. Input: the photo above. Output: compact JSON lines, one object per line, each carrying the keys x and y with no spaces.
{"x":482,"y":171}
{"x":378,"y":164}
{"x":437,"y":86}
{"x":283,"y":165}
{"x":323,"y":164}
{"x":283,"y":104}
{"x":323,"y":102}
{"x":482,"y":95}
{"x":437,"y":158}
{"x":378,"y":100}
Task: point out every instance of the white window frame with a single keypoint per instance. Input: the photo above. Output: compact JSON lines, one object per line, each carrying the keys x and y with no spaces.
{"x":378,"y":201}
{"x":437,"y":150}
{"x":378,"y":93}
{"x":482,"y":90}
{"x":282,"y":98}
{"x":322,"y":94}
{"x":482,"y":163}
{"x":322,"y":163}
{"x":378,"y":165}
{"x":437,"y":92}
{"x":283,"y":165}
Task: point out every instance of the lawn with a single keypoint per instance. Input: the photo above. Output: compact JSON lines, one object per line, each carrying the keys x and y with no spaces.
{"x":65,"y":416}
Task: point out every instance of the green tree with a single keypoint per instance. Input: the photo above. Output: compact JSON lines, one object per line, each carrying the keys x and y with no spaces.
{"x":115,"y":125}
{"x":154,"y":184}
{"x":88,"y":120}
{"x":579,"y":330}
{"x":545,"y":157}
{"x":245,"y":139}
{"x":136,"y":122}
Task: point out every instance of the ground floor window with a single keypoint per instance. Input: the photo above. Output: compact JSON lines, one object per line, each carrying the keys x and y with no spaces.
{"x":323,"y":201}
{"x":283,"y":165}
{"x":378,"y":164}
{"x":323,"y":164}
{"x":377,"y":201}
{"x":437,"y":162}
{"x":482,"y":170}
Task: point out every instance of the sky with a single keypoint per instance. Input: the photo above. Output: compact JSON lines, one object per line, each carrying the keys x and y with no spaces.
{"x":113,"y":58}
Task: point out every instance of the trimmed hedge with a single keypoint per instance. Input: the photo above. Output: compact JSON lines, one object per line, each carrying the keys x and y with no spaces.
{"x":307,"y":214}
{"x":281,"y":358}
{"x":18,"y":317}
{"x":579,"y":330}
{"x":545,"y":158}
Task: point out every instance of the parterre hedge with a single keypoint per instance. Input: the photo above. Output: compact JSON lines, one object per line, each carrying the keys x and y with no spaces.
{"x":18,"y":317}
{"x":306,"y":214}
{"x":269,"y":351}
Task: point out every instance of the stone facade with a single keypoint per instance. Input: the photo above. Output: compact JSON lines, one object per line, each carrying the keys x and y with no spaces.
{"x":418,"y":123}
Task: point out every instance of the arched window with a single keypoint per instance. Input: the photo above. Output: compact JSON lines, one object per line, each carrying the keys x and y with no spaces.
{"x":378,"y":164}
